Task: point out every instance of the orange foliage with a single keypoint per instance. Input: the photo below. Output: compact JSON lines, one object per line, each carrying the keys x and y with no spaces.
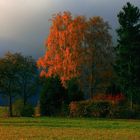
{"x":73,"y":106}
{"x":113,"y":98}
{"x":63,"y":55}
{"x":74,"y":43}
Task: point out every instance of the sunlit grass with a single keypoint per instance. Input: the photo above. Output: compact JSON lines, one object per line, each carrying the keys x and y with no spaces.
{"x":68,"y":129}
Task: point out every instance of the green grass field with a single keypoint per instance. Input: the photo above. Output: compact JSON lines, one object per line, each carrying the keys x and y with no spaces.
{"x":46,"y":128}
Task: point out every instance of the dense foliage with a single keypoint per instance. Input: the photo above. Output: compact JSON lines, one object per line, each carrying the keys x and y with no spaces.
{"x":63,"y":55}
{"x":52,"y":97}
{"x":76,"y":46}
{"x":17,"y":77}
{"x":81,"y":73}
{"x":128,"y":58}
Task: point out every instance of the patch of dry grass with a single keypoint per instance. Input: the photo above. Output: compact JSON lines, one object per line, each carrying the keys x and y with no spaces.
{"x":33,"y":129}
{"x":43,"y":133}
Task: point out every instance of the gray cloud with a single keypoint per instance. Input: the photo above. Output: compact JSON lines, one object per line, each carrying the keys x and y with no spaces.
{"x":24,"y":24}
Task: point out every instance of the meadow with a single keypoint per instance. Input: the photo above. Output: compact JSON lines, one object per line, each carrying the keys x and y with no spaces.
{"x":51,"y":128}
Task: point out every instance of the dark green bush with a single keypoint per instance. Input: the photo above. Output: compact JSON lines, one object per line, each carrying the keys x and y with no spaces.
{"x":100,"y":108}
{"x":52,"y":97}
{"x":136,"y":107}
{"x":74,"y":92}
{"x":4,"y":111}
{"x":90,"y":108}
{"x":137,"y":114}
{"x":27,"y":111}
{"x":19,"y":109}
{"x":124,"y":111}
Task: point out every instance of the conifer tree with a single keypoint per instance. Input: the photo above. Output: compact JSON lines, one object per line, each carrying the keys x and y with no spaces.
{"x":128,"y":58}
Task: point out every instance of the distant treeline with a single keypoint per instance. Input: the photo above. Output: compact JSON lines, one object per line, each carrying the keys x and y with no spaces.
{"x":80,"y":63}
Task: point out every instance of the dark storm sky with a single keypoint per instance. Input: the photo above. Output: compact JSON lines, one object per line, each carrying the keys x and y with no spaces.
{"x":24,"y":24}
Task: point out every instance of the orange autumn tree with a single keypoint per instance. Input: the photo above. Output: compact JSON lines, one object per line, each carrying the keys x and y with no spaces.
{"x":63,"y":55}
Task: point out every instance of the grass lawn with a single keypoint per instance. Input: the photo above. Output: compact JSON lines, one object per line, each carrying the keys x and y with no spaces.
{"x":46,"y":128}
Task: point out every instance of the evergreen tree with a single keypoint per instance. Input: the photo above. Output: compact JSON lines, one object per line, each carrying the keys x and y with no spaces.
{"x":128,"y":58}
{"x":52,"y":96}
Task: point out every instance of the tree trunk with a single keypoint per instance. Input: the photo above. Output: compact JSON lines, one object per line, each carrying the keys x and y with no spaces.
{"x":130,"y":79}
{"x":10,"y":106}
{"x":91,"y":87}
{"x":24,"y":94}
{"x":91,"y":82}
{"x":131,"y":100}
{"x":24,"y":99}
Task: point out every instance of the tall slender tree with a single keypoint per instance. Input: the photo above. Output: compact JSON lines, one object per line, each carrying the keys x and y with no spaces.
{"x":27,"y":77}
{"x":128,"y":58}
{"x":98,"y":55}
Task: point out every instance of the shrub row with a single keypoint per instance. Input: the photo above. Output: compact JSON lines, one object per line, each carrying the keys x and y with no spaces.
{"x":90,"y":108}
{"x":102,"y":108}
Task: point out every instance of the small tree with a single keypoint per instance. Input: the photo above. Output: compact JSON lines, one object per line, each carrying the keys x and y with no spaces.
{"x":52,"y":97}
{"x":17,"y":77}
{"x":27,"y":77}
{"x":8,"y":77}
